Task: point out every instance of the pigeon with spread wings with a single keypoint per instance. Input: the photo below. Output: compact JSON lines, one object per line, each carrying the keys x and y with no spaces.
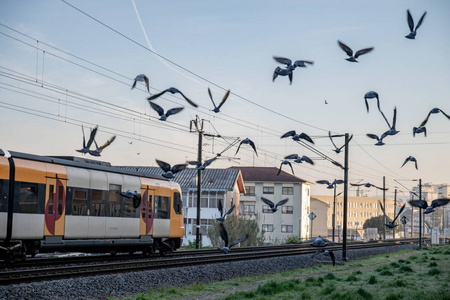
{"x":163,"y":116}
{"x":224,"y":236}
{"x":412,"y":34}
{"x":285,"y":162}
{"x":86,"y":147}
{"x":170,"y":171}
{"x":297,"y":137}
{"x":141,"y":78}
{"x":220,"y":208}
{"x":410,"y":158}
{"x":289,"y":67}
{"x":391,"y":224}
{"x":98,"y":149}
{"x":429,"y":209}
{"x":299,"y":159}
{"x":349,"y":52}
{"x":217,"y":108}
{"x":330,"y":184}
{"x":173,"y":90}
{"x":336,"y":148}
{"x":368,"y":185}
{"x":248,"y":142}
{"x":274,"y":207}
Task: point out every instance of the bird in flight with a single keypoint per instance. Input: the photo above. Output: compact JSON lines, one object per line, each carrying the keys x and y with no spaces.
{"x":298,"y":159}
{"x":327,"y":253}
{"x":274,"y":207}
{"x":132,"y":195}
{"x":372,"y":95}
{"x":391,"y":224}
{"x":201,"y":166}
{"x":297,"y":137}
{"x":173,"y":90}
{"x":330,"y":184}
{"x":413,"y":30}
{"x":170,"y":171}
{"x":419,"y":129}
{"x":160,"y":111}
{"x":222,"y":216}
{"x":217,"y":108}
{"x":141,"y":78}
{"x":410,"y":158}
{"x":368,"y":185}
{"x":285,"y":162}
{"x":86,"y":147}
{"x":429,"y":209}
{"x":434,"y":111}
{"x":249,"y":142}
{"x":98,"y":150}
{"x":349,"y":52}
{"x":336,"y":148}
{"x":224,"y":236}
{"x":379,"y":139}
{"x":392,"y":130}
{"x":289,"y":67}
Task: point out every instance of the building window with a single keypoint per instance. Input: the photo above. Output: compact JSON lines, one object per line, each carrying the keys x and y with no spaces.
{"x":267,"y":227}
{"x":250,"y":191}
{"x":268,"y":190}
{"x":266,"y":209}
{"x":248,"y":209}
{"x":287,"y":209}
{"x":287,"y":191}
{"x":286,"y":228}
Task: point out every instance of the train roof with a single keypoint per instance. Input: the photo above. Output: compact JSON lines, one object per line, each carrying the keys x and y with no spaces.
{"x":83,"y":163}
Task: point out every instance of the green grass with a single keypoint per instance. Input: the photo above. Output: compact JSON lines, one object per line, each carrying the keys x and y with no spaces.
{"x":399,"y":276}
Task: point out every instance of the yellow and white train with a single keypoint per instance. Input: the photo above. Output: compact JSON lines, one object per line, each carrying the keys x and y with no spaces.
{"x":52,"y":204}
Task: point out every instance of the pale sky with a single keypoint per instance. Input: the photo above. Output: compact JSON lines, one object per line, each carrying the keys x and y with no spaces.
{"x":61,"y":69}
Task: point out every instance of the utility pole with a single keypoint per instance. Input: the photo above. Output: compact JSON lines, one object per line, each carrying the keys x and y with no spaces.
{"x":395,"y":208}
{"x":420,"y":215}
{"x":334,"y":210}
{"x":199,"y":129}
{"x":344,"y":244}
{"x":385,"y":208}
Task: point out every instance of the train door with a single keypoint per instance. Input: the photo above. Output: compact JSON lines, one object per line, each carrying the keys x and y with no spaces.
{"x":147,"y":212}
{"x":55,"y":204}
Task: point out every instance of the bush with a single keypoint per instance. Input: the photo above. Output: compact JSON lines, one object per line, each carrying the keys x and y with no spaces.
{"x":386,"y":273}
{"x":395,"y":265}
{"x":352,"y":278}
{"x":433,"y":272}
{"x":405,"y":269}
{"x":237,"y":227}
{"x":399,"y":283}
{"x":364,"y":294}
{"x":330,"y":276}
{"x":292,"y":239}
{"x":432,"y":264}
{"x":372,"y":280}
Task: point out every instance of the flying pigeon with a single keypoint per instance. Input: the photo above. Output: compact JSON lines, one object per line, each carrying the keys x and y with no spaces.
{"x":434,"y":111}
{"x":217,"y":108}
{"x":413,"y":33}
{"x":368,"y":185}
{"x":86,"y":147}
{"x":297,"y":137}
{"x":349,"y":52}
{"x":299,"y":159}
{"x":391,"y":224}
{"x":419,"y":129}
{"x":392,"y":130}
{"x":160,"y":111}
{"x":132,"y":195}
{"x":273,"y":206}
{"x":247,"y":141}
{"x":379,"y":139}
{"x":371,"y":95}
{"x":330,"y":184}
{"x":336,"y":149}
{"x":285,"y":162}
{"x":141,"y":78}
{"x":98,"y":149}
{"x":326,"y":102}
{"x":429,"y":209}
{"x":201,"y":166}
{"x":169,"y":171}
{"x":224,"y":236}
{"x":289,"y":67}
{"x":173,"y":90}
{"x":327,"y":253}
{"x":319,"y":242}
{"x":222,"y":216}
{"x":410,"y":158}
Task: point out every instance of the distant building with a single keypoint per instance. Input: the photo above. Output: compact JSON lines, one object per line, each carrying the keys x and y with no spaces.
{"x":432,"y":191}
{"x":225,"y":185}
{"x":291,"y":218}
{"x":319,"y":224}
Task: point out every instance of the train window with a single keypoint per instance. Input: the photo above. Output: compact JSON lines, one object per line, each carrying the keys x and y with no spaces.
{"x":98,"y":203}
{"x":51,"y":199}
{"x":128,"y":209}
{"x":60,"y":199}
{"x":28,"y":197}
{"x":162,"y":207}
{"x":114,"y":200}
{"x":79,"y":203}
{"x":4,"y":195}
{"x":177,"y":203}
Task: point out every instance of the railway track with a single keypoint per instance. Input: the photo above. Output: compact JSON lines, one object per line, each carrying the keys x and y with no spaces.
{"x":196,"y":257}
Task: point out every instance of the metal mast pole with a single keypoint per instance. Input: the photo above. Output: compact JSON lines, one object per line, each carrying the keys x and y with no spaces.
{"x":344,"y":244}
{"x":334,"y":210}
{"x":420,"y":215}
{"x":199,"y":182}
{"x":395,"y":208}
{"x":385,"y":208}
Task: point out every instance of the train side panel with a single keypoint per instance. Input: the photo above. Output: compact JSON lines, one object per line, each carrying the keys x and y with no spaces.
{"x":4,"y":186}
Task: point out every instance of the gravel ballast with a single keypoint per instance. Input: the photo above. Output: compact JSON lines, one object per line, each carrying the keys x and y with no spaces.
{"x":119,"y":285}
